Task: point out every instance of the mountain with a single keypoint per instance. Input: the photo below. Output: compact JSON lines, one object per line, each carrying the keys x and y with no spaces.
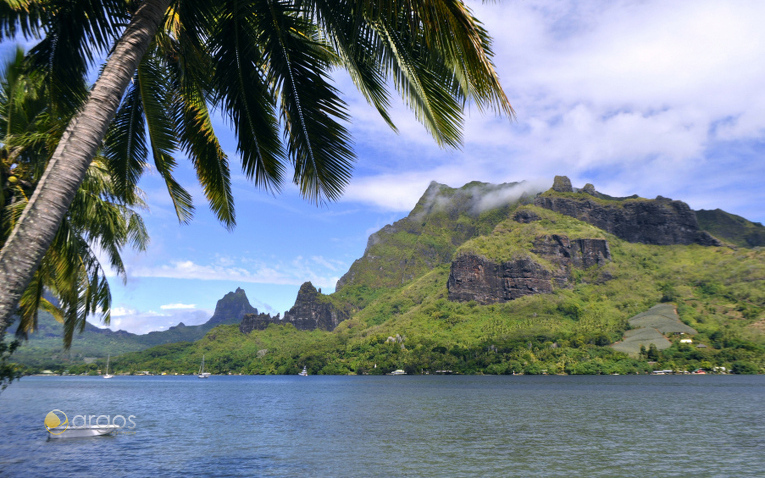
{"x":660,"y":221}
{"x":732,"y":228}
{"x":312,"y":310}
{"x":499,"y":279}
{"x":44,"y":347}
{"x":442,"y":220}
{"x":230,"y":309}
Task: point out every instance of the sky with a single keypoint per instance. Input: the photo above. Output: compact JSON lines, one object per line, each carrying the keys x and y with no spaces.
{"x":637,"y":97}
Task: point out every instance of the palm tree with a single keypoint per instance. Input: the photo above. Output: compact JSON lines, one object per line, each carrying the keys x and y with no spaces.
{"x":265,"y":64}
{"x":98,"y":218}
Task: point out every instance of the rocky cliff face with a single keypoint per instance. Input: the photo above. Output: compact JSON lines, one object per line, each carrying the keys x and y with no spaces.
{"x":660,"y":221}
{"x":312,"y":310}
{"x":476,"y":278}
{"x":260,"y":321}
{"x":443,"y":219}
{"x":231,"y":309}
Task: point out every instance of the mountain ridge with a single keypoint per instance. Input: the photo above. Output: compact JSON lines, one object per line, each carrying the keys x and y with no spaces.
{"x":402,"y":313}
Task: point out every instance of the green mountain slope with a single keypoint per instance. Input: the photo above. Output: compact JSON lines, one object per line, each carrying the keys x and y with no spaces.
{"x":406,"y":319}
{"x":732,"y":228}
{"x":443,"y":219}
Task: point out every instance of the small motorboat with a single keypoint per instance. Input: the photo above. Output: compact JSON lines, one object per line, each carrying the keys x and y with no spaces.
{"x":64,"y":431}
{"x":304,"y":373}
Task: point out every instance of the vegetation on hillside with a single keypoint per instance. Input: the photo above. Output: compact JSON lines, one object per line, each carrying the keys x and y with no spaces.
{"x":732,"y":228}
{"x":718,"y":291}
{"x":443,"y":219}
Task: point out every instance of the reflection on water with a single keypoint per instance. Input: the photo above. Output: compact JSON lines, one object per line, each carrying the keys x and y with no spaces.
{"x":416,"y":426}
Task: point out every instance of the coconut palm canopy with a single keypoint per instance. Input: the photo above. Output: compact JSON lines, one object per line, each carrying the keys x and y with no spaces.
{"x":265,"y":65}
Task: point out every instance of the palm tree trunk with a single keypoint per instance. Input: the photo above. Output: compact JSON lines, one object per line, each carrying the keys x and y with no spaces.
{"x":33,"y":234}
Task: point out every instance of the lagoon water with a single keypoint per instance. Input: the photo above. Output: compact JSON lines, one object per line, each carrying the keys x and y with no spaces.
{"x":405,"y":426}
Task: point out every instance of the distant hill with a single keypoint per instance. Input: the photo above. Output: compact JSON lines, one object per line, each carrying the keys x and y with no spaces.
{"x":44,"y":347}
{"x":732,"y":228}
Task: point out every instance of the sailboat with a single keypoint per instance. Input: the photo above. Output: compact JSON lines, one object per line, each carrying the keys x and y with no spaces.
{"x":304,"y":373}
{"x":202,"y":373}
{"x":106,"y":375}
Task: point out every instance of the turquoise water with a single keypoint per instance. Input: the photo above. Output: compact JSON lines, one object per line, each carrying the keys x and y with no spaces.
{"x":408,"y":426}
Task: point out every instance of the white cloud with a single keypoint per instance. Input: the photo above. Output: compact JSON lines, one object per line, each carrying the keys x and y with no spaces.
{"x":318,"y":270}
{"x":177,"y":306}
{"x":142,"y":322}
{"x":636,"y":97}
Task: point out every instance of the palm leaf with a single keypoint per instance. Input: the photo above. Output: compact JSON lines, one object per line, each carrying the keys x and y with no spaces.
{"x":356,"y":44}
{"x":152,"y":83}
{"x":424,"y":84}
{"x":319,"y":146}
{"x":125,"y":146}
{"x":243,"y":92}
{"x":196,"y":135}
{"x":77,"y":33}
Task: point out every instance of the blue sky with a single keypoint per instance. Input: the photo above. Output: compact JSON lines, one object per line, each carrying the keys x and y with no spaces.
{"x":636,"y":97}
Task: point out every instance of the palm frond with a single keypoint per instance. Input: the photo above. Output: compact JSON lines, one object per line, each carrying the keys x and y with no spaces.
{"x":243,"y":92}
{"x":157,"y":101}
{"x":28,"y":306}
{"x":424,"y":84}
{"x":356,"y":44}
{"x":125,"y":146}
{"x":20,"y":16}
{"x":196,"y":135}
{"x":311,"y":110}
{"x":77,"y":33}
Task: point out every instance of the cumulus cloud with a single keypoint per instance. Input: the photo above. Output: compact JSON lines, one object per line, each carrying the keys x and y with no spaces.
{"x":177,"y":306}
{"x":639,"y":97}
{"x":141,"y":322}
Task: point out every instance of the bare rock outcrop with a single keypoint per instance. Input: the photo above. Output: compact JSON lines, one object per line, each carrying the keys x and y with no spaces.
{"x":660,"y":221}
{"x":312,"y":310}
{"x":260,"y":321}
{"x":524,"y":216}
{"x":476,"y":278}
{"x":562,"y":184}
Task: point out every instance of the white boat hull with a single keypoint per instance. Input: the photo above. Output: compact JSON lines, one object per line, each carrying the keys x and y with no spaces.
{"x":82,"y":432}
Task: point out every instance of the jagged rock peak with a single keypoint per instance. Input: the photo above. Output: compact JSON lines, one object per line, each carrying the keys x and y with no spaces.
{"x":589,"y":189}
{"x":314,"y":310}
{"x":260,"y":321}
{"x":232,"y":308}
{"x":562,"y":184}
{"x":307,"y":290}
